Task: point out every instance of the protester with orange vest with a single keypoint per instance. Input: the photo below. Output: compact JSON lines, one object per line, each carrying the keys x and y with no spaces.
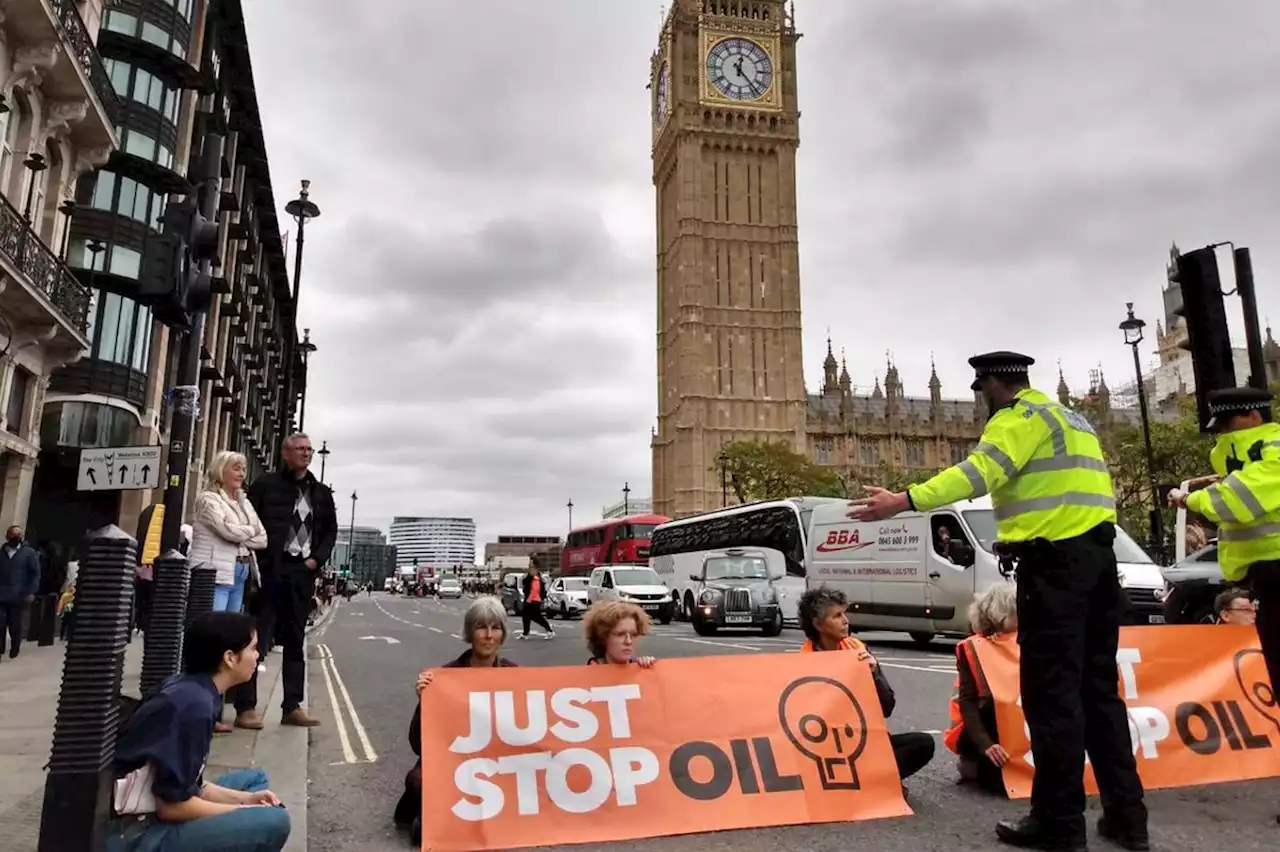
{"x":973,"y":734}
{"x":823,"y":619}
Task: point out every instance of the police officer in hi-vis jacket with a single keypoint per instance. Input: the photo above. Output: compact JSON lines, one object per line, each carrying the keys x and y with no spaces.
{"x":1055,"y":515}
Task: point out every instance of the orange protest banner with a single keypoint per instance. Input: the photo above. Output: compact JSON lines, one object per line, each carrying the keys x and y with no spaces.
{"x":1201,"y":708}
{"x":535,"y":756}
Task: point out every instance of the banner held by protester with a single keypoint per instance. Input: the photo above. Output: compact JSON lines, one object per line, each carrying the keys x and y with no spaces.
{"x":539,"y":756}
{"x":1201,"y":708}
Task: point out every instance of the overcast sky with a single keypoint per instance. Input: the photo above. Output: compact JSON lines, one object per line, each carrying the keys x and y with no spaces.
{"x":973,"y":176}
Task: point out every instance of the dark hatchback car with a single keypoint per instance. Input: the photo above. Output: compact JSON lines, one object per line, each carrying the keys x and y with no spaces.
{"x":735,"y":591}
{"x":1191,"y":586}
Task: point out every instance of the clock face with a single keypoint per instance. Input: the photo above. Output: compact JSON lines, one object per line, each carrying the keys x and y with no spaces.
{"x":740,"y":69}
{"x":662,"y":95}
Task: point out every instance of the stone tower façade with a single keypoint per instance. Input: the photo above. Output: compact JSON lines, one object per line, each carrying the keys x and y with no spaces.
{"x":725,"y":136}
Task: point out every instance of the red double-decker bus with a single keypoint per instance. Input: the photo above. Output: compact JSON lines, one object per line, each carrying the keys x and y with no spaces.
{"x":611,"y":542}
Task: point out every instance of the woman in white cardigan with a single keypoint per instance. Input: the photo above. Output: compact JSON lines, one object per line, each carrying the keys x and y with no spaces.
{"x":226,"y":531}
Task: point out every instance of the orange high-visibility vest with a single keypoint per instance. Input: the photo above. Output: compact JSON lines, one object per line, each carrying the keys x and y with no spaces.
{"x":966,"y":653}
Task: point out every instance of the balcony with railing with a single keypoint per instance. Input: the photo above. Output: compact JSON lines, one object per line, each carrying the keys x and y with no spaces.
{"x":39,"y":291}
{"x":50,"y":41}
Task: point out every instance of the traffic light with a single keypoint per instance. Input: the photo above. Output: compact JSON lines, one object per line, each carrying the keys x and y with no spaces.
{"x":1208,"y":339}
{"x":171,"y":280}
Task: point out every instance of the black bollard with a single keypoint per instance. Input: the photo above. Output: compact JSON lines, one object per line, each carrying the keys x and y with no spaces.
{"x":77,"y":792}
{"x":162,"y":643}
{"x":200,"y":593}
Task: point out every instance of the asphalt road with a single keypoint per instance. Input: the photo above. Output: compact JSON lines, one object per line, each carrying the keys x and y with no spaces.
{"x":357,"y":768}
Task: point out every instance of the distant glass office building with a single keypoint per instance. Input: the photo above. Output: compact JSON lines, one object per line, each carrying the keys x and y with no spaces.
{"x":439,"y":542}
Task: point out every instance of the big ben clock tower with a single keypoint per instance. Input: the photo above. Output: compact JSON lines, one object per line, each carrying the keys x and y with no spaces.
{"x":725,"y":134}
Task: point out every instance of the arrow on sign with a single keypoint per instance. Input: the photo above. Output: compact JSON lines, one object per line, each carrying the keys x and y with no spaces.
{"x":146,"y":471}
{"x":386,"y":639}
{"x":124,"y":468}
{"x":93,"y":475}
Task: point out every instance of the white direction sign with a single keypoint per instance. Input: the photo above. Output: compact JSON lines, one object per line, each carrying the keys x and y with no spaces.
{"x":119,"y":468}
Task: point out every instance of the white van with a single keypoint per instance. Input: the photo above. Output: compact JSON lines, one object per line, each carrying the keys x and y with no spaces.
{"x":898,"y":578}
{"x":635,"y":583}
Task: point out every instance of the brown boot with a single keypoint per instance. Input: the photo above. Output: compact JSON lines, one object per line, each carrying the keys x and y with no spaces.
{"x":299,"y":718}
{"x":250,"y":720}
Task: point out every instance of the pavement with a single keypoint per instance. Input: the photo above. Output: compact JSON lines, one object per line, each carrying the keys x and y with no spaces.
{"x":29,"y":688}
{"x":365,"y":659}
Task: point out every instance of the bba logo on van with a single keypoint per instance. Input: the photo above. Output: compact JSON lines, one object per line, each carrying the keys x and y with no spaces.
{"x":839,"y":540}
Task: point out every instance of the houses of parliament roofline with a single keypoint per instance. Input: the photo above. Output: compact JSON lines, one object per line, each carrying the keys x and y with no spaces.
{"x":888,"y":405}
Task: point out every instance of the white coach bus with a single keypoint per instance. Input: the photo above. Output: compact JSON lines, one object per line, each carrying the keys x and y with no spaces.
{"x":778,"y":529}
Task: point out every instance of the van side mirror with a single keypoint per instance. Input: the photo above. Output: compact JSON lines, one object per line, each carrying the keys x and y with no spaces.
{"x":697,"y":578}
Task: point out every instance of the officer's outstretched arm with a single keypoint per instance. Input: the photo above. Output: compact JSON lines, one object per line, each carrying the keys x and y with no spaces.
{"x":1004,"y":449}
{"x":1243,"y":497}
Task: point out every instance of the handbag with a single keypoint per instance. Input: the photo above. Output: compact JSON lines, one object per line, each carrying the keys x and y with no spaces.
{"x":133,"y":793}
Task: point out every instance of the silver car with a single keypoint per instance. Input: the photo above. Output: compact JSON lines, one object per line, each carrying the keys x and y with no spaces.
{"x":567,"y":597}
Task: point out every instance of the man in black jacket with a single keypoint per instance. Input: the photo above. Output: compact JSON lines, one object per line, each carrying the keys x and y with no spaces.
{"x":302,"y":526}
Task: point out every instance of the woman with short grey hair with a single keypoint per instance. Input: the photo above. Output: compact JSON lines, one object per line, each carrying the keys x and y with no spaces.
{"x":484,"y":628}
{"x":973,"y":735}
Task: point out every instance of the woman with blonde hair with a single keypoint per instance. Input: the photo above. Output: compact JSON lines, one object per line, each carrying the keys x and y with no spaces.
{"x":972,"y":734}
{"x":226,"y":531}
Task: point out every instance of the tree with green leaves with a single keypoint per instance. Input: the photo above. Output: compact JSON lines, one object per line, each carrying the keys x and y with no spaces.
{"x":771,"y":470}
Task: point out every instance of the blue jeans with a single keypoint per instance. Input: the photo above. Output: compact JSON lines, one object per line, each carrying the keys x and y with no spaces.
{"x":231,"y":598}
{"x":257,"y":829}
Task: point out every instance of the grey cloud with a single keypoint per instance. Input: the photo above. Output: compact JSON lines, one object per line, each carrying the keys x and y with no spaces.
{"x":564,"y":252}
{"x":484,"y":309}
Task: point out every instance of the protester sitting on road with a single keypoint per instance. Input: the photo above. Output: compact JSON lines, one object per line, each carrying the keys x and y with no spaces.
{"x":484,"y":628}
{"x":823,"y":619}
{"x":162,"y":802}
{"x":613,"y":629}
{"x":973,"y":734}
{"x":1235,"y":606}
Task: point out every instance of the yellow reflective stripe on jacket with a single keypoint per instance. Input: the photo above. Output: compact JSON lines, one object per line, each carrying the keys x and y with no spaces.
{"x":1246,"y":503}
{"x":1043,"y":467}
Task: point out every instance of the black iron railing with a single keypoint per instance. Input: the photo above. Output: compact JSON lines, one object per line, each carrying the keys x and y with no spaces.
{"x":77,"y":37}
{"x":34,"y":259}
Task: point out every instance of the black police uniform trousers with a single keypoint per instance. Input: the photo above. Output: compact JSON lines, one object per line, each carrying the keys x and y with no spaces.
{"x":1070,"y":605}
{"x":1264,"y":584}
{"x":283,"y":605}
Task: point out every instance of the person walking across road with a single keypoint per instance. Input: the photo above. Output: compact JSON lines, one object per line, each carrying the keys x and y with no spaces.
{"x":1055,"y":515}
{"x":1243,"y":499}
{"x":534,"y":586}
{"x":298,"y":514}
{"x":19,"y":582}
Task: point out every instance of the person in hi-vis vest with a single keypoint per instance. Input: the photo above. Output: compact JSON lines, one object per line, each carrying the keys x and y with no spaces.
{"x":1055,"y":515}
{"x":972,"y":733}
{"x":1243,"y":499}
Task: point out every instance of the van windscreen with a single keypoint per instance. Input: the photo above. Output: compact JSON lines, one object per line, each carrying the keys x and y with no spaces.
{"x":983,"y":524}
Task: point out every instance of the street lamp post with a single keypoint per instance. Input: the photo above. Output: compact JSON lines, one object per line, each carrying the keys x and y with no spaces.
{"x":1132,"y":328}
{"x":67,"y":209}
{"x":302,"y":209}
{"x":626,"y":499}
{"x":36,"y":164}
{"x":323,"y":452}
{"x":351,"y":532}
{"x":724,"y":479}
{"x":306,"y":347}
{"x":570,"y":505}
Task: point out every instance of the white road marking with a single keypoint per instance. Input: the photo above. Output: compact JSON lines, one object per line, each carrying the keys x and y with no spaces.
{"x":369,"y":753}
{"x":389,"y":640}
{"x":378,"y":604}
{"x":434,"y":629}
{"x":720,"y":644}
{"x":347,"y":752}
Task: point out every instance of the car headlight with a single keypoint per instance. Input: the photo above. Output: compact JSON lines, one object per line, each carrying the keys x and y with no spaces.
{"x":1161,"y":594}
{"x":769,"y":595}
{"x":708,"y":596}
